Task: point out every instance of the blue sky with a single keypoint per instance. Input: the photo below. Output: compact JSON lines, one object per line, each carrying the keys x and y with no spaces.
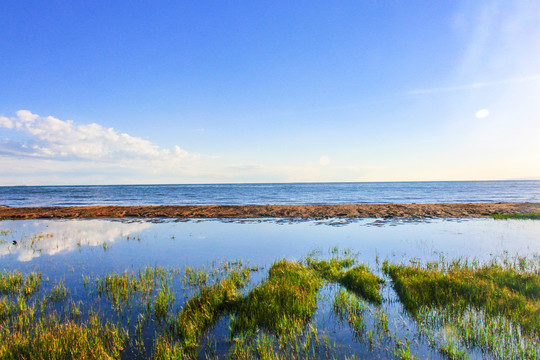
{"x":268,"y":91}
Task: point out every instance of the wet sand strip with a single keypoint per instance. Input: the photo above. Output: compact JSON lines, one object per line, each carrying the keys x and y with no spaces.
{"x":469,"y":210}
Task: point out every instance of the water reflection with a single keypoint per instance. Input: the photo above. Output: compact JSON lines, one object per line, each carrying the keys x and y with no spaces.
{"x":27,"y":240}
{"x":261,"y":241}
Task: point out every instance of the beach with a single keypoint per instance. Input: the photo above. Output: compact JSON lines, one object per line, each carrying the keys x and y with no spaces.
{"x":454,"y":210}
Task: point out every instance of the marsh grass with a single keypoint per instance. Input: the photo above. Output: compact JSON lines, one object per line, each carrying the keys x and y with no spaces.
{"x":31,"y":283}
{"x":164,"y":302}
{"x":403,"y":352}
{"x":121,"y":288}
{"x":462,"y":305}
{"x":194,"y":276}
{"x":59,"y":292}
{"x":496,"y":289}
{"x":13,"y":283}
{"x":459,"y":306}
{"x":363,"y":282}
{"x":282,"y":304}
{"x":165,"y":348}
{"x":351,"y":309}
{"x":203,"y":310}
{"x":50,"y":338}
{"x":2,"y":234}
{"x":359,"y":279}
{"x":530,"y":216}
{"x":10,"y":282}
{"x":267,"y":346}
{"x":454,"y":333}
{"x":330,"y":270}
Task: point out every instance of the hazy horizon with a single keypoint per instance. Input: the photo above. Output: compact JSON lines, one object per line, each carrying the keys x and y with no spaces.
{"x":279,"y":183}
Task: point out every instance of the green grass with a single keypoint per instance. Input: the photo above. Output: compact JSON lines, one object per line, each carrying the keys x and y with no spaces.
{"x":165,"y":348}
{"x":363,"y":282}
{"x":59,"y":292}
{"x":453,"y":333}
{"x":496,"y":289}
{"x":270,"y":347}
{"x":164,"y":302}
{"x":531,"y":216}
{"x":194,"y":276}
{"x":120,"y":288}
{"x":458,"y":306}
{"x":330,"y":270}
{"x":350,"y":308}
{"x":11,"y":282}
{"x":204,"y":309}
{"x":282,"y":304}
{"x":271,"y":321}
{"x":31,"y":283}
{"x":403,"y":352}
{"x":51,"y":339}
{"x":359,"y":279}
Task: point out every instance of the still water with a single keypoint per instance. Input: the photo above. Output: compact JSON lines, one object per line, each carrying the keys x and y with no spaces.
{"x":119,"y":245}
{"x":65,"y":249}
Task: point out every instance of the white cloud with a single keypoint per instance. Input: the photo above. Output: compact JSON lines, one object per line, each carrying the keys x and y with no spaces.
{"x":324,"y":160}
{"x":50,"y":137}
{"x":480,"y":114}
{"x":5,"y":122}
{"x":54,"y":151}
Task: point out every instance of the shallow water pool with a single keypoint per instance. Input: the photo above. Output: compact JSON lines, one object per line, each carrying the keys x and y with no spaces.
{"x":67,"y":250}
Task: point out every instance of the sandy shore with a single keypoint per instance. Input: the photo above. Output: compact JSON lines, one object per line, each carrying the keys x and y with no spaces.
{"x":262,"y":211}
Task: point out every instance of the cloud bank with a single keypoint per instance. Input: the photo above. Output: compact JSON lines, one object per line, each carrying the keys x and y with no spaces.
{"x":49,"y":137}
{"x":46,"y":150}
{"x":53,"y":151}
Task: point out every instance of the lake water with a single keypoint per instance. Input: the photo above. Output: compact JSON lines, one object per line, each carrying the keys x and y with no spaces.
{"x":304,"y":193}
{"x":197,"y":242}
{"x":66,"y":249}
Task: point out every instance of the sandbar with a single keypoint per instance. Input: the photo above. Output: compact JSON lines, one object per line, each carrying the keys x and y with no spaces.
{"x":453,"y":210}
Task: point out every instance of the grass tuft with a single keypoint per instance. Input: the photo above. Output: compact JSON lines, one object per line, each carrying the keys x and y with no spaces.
{"x":164,"y":302}
{"x":204,"y":309}
{"x":282,"y":304}
{"x":363,"y":282}
{"x":531,"y":216}
{"x":496,"y":289}
{"x":51,"y":339}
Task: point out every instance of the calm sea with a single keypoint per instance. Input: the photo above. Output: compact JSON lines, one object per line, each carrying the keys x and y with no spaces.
{"x":300,"y":193}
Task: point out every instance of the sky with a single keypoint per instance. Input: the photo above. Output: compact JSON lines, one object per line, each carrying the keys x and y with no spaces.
{"x":150,"y":92}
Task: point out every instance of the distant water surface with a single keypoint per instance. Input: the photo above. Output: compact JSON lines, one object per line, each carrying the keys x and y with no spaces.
{"x":285,"y":193}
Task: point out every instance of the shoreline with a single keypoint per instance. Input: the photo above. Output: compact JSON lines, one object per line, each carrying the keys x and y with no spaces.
{"x":449,"y":210}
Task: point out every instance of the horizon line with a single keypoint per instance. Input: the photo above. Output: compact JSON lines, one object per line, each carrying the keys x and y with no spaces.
{"x":276,"y":183}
